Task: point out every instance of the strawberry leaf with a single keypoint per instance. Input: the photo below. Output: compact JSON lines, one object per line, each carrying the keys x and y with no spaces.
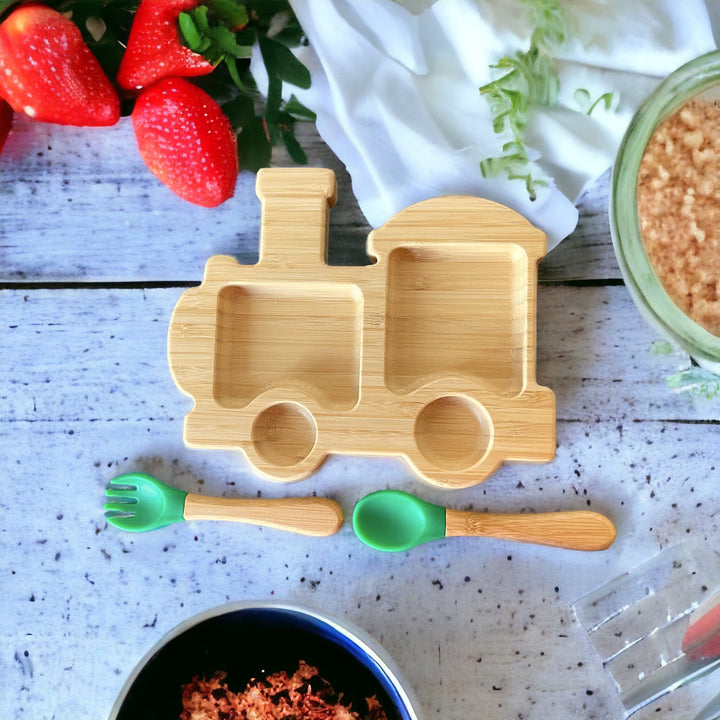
{"x":234,"y":73}
{"x":192,"y":31}
{"x":254,"y":146}
{"x":217,"y":43}
{"x":6,"y":4}
{"x":240,"y":111}
{"x":225,"y":40}
{"x":234,"y":15}
{"x":225,"y":31}
{"x":272,"y":109}
{"x":298,"y":110}
{"x":280,"y":63}
{"x":294,"y":148}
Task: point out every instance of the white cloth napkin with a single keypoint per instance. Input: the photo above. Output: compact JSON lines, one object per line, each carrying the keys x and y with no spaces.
{"x":397,"y":100}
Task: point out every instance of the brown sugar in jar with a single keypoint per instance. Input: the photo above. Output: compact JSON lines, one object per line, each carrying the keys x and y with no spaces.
{"x":678,"y":202}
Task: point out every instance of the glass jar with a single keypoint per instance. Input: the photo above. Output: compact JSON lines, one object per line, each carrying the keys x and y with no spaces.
{"x":700,"y":78}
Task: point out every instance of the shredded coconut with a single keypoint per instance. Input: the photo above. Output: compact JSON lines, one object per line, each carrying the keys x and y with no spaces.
{"x":304,"y":695}
{"x":679,"y":209}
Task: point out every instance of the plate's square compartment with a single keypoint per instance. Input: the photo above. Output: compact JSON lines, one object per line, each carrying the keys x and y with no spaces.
{"x":457,"y":312}
{"x":302,"y":336}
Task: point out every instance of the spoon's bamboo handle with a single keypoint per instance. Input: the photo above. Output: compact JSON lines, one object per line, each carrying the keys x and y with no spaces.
{"x":575,"y":530}
{"x":306,"y":515}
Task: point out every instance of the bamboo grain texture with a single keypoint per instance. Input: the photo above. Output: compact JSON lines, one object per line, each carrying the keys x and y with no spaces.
{"x":315,"y":516}
{"x":573,"y":530}
{"x":429,"y":353}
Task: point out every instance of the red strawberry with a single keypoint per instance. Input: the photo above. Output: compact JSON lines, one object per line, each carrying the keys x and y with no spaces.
{"x":186,"y":141}
{"x":6,"y":118}
{"x":154,"y":50}
{"x":48,"y":72}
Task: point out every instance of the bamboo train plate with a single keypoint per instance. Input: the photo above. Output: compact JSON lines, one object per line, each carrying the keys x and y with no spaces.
{"x":429,"y":353}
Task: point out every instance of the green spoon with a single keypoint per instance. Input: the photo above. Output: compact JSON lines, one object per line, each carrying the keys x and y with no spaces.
{"x":139,"y":502}
{"x":393,"y":520}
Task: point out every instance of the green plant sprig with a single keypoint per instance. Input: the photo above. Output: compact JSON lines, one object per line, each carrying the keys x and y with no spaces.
{"x":530,"y":78}
{"x":696,"y":382}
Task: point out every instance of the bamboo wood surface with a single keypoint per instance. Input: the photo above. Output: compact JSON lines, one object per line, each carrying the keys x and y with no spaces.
{"x":430,"y":353}
{"x":573,"y":530}
{"x":314,"y":516}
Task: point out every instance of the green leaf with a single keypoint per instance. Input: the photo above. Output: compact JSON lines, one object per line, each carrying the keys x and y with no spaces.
{"x":550,"y":30}
{"x":247,"y":36}
{"x":298,"y":110}
{"x":281,"y":63}
{"x":582,"y":98}
{"x":5,"y":4}
{"x":515,"y":149}
{"x":292,"y":35}
{"x":606,"y":99}
{"x":272,"y":108}
{"x":225,"y":41}
{"x":234,"y":14}
{"x":491,"y":167}
{"x":240,"y":111}
{"x":204,"y":34}
{"x":697,"y":382}
{"x":254,"y":147}
{"x":225,"y":31}
{"x":190,"y":31}
{"x":201,"y":18}
{"x":293,"y":147}
{"x":661,"y":347}
{"x":530,"y":79}
{"x":232,"y":68}
{"x":218,"y":85}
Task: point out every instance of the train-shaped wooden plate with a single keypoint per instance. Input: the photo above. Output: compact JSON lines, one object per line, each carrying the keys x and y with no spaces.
{"x":429,"y":353}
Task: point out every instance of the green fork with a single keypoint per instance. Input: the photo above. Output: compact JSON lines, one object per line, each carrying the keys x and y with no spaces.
{"x":139,"y":502}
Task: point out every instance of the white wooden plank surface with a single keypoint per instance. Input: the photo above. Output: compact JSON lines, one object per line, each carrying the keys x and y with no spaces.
{"x":478,"y":627}
{"x":81,"y":206}
{"x":93,"y":256}
{"x":594,"y":351}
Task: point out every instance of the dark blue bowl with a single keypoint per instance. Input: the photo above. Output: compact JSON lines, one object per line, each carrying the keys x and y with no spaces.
{"x":251,"y":640}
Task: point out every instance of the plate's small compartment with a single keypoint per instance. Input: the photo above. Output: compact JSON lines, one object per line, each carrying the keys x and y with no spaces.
{"x":298,"y":336}
{"x":284,"y":434}
{"x":457,"y":311}
{"x":453,"y":433}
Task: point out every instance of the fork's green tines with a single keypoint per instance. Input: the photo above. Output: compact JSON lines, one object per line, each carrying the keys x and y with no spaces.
{"x":139,"y":502}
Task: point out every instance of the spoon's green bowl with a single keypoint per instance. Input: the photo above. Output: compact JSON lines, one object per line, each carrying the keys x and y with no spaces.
{"x":393,"y":521}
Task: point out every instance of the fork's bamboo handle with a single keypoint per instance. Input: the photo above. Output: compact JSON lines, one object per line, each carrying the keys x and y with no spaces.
{"x":306,"y":515}
{"x":574,"y":530}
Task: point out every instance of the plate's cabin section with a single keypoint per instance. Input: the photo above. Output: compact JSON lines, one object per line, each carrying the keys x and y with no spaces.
{"x":460,"y":337}
{"x":429,"y":353}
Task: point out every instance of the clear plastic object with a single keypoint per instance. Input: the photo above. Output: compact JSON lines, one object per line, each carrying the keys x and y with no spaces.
{"x":637,"y":622}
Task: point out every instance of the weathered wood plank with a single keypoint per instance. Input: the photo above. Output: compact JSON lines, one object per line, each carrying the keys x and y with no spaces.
{"x":100,"y":354}
{"x":587,"y":254}
{"x":78,"y":204}
{"x":87,"y":395}
{"x":463,"y":618}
